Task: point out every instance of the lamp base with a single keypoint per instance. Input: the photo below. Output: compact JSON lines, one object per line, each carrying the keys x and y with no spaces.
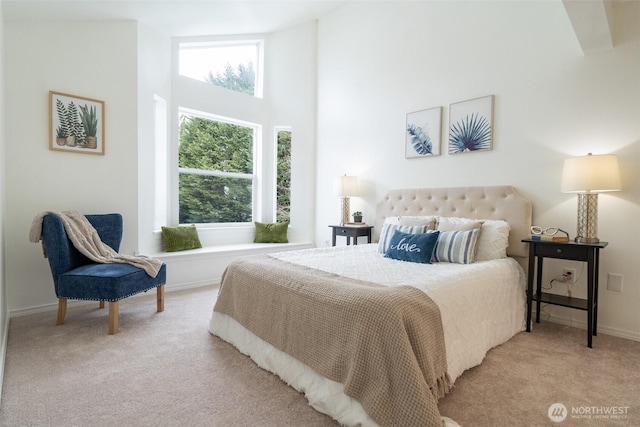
{"x":587,"y":218}
{"x":345,"y":211}
{"x":587,"y":240}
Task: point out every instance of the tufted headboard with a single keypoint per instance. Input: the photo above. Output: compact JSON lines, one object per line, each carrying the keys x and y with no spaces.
{"x":493,"y":202}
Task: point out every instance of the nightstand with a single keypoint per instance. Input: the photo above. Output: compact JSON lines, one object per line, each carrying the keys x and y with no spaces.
{"x":585,"y":252}
{"x":350,"y":231}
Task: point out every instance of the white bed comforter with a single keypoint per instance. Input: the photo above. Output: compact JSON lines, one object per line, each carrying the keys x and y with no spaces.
{"x":482,"y":305}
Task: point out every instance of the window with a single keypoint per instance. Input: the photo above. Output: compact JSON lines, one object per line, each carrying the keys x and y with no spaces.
{"x":215,"y":168}
{"x":235,"y":65}
{"x":283,"y":174}
{"x":221,"y":177}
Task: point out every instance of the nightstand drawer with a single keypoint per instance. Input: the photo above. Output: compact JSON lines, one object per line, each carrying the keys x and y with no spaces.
{"x":342,"y":231}
{"x":564,"y":251}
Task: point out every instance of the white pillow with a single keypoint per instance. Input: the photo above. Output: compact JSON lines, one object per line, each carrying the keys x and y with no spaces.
{"x":395,"y":220}
{"x":493,"y":239}
{"x":388,"y":229}
{"x":429,"y":221}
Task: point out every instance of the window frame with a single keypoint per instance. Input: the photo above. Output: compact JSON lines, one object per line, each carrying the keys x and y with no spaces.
{"x":226,"y":42}
{"x":254,"y":177}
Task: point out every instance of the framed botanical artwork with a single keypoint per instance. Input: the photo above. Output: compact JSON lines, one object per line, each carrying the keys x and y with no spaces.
{"x":76,"y":124}
{"x":471,"y":125}
{"x":423,"y":133}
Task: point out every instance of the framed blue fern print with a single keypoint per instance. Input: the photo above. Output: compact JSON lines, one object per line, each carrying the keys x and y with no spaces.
{"x":423,"y":133}
{"x":471,"y":125}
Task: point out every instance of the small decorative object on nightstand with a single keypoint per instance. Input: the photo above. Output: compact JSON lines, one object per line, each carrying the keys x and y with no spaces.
{"x":350,"y":231}
{"x":585,"y":252}
{"x":357,"y":216}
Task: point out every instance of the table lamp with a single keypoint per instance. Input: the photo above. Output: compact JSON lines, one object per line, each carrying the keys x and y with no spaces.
{"x":346,"y":186}
{"x":589,"y":175}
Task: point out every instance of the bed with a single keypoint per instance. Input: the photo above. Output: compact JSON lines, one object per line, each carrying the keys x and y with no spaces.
{"x":372,"y":340}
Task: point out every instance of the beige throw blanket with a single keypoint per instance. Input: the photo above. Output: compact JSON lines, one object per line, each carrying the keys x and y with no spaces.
{"x":86,"y":240}
{"x":385,"y":345}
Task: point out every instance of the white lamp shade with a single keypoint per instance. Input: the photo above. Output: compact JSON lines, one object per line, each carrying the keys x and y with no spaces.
{"x":346,"y":186}
{"x":591,"y":174}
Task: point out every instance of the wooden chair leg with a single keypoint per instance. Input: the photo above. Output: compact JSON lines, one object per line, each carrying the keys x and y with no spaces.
{"x":102,"y":304}
{"x":113,"y":317}
{"x":160,"y":291}
{"x":62,"y":310}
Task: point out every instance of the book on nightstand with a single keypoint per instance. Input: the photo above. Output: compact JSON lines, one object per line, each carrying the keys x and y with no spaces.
{"x":545,"y":238}
{"x":356,"y":224}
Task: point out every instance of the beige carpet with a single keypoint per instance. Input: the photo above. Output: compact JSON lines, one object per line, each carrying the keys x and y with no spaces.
{"x":165,"y":369}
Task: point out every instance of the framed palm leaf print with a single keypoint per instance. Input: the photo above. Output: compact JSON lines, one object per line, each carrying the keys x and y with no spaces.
{"x":422,"y":134}
{"x":471,"y":125}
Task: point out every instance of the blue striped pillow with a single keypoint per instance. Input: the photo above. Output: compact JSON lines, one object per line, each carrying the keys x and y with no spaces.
{"x":387,"y":233}
{"x":457,"y":246}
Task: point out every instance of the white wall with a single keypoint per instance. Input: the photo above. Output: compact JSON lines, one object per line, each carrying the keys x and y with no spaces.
{"x":4,"y":309}
{"x":290,"y":87}
{"x":94,"y":60}
{"x":154,"y":78}
{"x":378,"y":61}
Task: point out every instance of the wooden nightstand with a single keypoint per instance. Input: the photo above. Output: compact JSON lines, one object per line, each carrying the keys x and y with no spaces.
{"x":586,"y":252}
{"x":350,"y":231}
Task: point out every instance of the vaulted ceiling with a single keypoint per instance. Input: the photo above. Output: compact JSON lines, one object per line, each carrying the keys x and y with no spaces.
{"x":592,"y":20}
{"x":178,"y":18}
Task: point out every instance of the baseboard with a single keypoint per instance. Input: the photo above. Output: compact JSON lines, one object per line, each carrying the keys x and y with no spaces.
{"x":3,"y":350}
{"x":191,"y":285}
{"x":604,"y":329}
{"x":74,"y":303}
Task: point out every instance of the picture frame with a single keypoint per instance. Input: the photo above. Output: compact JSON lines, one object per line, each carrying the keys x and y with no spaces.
{"x":471,"y":125}
{"x":423,"y":133}
{"x":76,"y":124}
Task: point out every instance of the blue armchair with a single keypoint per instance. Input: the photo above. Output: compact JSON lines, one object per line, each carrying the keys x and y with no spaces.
{"x":77,"y":277}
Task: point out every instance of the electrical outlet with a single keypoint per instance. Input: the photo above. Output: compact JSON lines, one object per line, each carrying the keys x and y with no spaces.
{"x":570,"y":274}
{"x":614,"y":282}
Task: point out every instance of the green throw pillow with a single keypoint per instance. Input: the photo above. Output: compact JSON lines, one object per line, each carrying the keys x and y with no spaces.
{"x":181,"y":238}
{"x":275,"y":232}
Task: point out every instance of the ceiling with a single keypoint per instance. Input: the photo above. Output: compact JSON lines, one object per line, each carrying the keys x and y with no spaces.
{"x":591,"y":19}
{"x":177,"y":18}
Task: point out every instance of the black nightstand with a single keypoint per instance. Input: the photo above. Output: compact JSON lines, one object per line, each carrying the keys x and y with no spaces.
{"x":350,"y":231}
{"x":586,"y":252}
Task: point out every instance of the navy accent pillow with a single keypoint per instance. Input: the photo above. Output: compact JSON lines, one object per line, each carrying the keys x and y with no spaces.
{"x":412,"y":247}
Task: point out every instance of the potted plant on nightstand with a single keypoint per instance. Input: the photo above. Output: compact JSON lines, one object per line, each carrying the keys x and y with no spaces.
{"x":357,"y":216}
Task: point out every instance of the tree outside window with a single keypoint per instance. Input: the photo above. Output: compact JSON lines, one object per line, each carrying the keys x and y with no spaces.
{"x":283,"y":189}
{"x":215,"y":171}
{"x":234,"y":65}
